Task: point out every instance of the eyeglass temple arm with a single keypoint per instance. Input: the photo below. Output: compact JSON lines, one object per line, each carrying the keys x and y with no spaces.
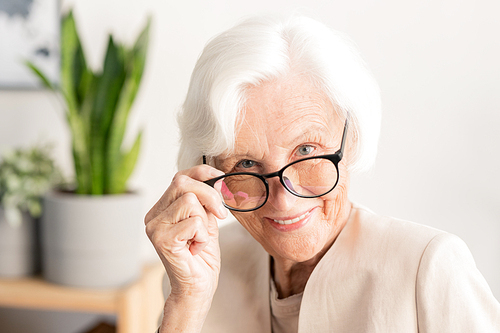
{"x":340,"y":152}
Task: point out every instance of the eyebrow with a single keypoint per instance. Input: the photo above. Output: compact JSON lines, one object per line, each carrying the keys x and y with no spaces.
{"x":315,"y":130}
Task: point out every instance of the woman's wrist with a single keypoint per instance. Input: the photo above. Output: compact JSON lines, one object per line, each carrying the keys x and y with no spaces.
{"x":184,"y":314}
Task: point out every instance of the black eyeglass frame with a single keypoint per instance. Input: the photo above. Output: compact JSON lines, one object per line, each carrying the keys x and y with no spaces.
{"x":334,"y":158}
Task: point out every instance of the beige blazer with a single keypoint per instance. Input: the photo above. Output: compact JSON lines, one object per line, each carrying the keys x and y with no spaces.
{"x":380,"y":275}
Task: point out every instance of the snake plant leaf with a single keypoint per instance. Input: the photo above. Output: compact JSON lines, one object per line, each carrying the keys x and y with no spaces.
{"x":74,"y":71}
{"x":80,"y":149}
{"x":135,"y":62}
{"x":46,"y":82}
{"x":81,"y":125}
{"x":75,"y":82}
{"x":86,"y":83}
{"x":87,"y":105}
{"x":125,"y":168}
{"x":97,"y":108}
{"x":109,"y":86}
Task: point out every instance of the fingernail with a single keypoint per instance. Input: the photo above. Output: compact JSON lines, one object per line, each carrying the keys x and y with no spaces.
{"x":223,"y":212}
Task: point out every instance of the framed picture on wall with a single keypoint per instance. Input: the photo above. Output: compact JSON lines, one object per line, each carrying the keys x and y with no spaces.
{"x":29,"y":30}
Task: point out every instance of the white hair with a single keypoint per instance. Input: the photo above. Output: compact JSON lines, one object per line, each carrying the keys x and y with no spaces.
{"x":261,"y":49}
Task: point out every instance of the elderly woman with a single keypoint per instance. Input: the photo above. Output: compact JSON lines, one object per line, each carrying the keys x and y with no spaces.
{"x":279,"y":114}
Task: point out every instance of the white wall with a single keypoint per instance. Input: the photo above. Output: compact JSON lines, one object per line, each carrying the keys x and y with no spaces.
{"x":436,"y":63}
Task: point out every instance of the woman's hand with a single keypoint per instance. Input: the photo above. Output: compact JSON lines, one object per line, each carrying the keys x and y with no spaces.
{"x":184,"y":232}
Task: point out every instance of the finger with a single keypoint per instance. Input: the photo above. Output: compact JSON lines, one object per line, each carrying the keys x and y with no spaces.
{"x":191,"y":181}
{"x":199,"y":242}
{"x":183,"y":208}
{"x":176,"y":242}
{"x":189,"y":206}
{"x":191,"y":233}
{"x":202,"y":172}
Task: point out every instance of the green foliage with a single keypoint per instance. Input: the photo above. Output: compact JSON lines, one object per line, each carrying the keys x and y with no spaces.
{"x":97,"y":108}
{"x":25,"y":175}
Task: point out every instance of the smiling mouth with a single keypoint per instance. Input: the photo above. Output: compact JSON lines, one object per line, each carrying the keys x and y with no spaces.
{"x":295,"y":220}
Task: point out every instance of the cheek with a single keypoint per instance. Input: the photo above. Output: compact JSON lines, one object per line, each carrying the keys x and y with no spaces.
{"x":249,"y":221}
{"x":336,"y":202}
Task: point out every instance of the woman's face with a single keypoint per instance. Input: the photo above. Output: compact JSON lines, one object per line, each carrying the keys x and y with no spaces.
{"x":284,"y":121}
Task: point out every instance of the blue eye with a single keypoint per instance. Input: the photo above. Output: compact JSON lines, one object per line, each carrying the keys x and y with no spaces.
{"x":305,"y":150}
{"x":246,"y":164}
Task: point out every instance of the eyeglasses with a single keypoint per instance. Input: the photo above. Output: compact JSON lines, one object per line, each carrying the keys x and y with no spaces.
{"x":310,"y":177}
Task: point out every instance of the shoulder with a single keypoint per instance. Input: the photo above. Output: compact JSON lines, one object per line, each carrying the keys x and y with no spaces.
{"x":382,"y":248}
{"x":436,"y":264}
{"x":398,"y":274}
{"x":445,"y":258}
{"x":382,"y":234}
{"x":376,"y":250}
{"x":451,"y":293}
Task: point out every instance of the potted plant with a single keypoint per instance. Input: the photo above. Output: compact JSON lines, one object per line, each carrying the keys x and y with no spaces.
{"x":90,"y":235}
{"x":25,"y":175}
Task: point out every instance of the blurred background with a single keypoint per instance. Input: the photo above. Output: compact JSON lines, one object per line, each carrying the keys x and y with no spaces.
{"x":436,"y":62}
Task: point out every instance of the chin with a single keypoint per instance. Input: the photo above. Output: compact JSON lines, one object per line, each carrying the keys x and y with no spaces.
{"x":298,"y":249}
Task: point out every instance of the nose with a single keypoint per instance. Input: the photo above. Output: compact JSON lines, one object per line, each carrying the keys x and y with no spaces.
{"x":288,"y":183}
{"x":279,"y":197}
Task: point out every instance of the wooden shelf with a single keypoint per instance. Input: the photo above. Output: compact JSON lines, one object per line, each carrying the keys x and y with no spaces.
{"x":137,"y":306}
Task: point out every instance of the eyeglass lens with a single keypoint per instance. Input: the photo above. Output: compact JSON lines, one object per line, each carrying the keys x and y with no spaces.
{"x":306,"y":178}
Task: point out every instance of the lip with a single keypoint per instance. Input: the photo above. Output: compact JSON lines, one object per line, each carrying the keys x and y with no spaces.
{"x":293,"y":226}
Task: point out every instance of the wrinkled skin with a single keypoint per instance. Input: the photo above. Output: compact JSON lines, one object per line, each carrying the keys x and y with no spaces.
{"x":284,"y":120}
